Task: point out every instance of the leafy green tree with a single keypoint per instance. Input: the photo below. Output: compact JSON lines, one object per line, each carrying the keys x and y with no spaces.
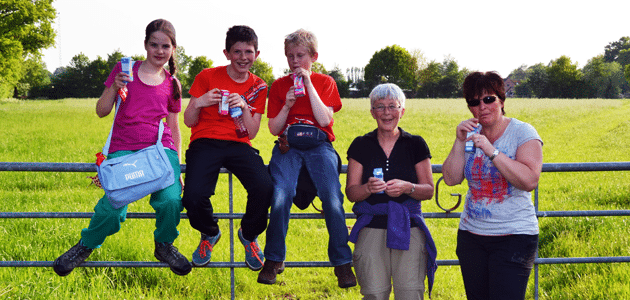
{"x":429,"y":79}
{"x":138,"y":57}
{"x":523,"y":90}
{"x":35,"y":78}
{"x":441,"y":80}
{"x":263,"y":70}
{"x":81,"y":78}
{"x":183,"y":62}
{"x":603,"y":79}
{"x":25,"y":29}
{"x":519,"y":75}
{"x":538,"y":80}
{"x":343,"y":86}
{"x":196,"y":66}
{"x":612,"y":50}
{"x":624,"y":57}
{"x":624,"y":61}
{"x":113,"y":58}
{"x":450,"y":85}
{"x":66,"y":83}
{"x":565,"y":79}
{"x":393,"y":64}
{"x":626,"y":73}
{"x":97,"y":73}
{"x":318,"y":68}
{"x":10,"y":66}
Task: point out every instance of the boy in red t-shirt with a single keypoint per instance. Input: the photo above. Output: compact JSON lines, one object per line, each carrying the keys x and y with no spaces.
{"x":313,"y":110}
{"x":215,"y":144}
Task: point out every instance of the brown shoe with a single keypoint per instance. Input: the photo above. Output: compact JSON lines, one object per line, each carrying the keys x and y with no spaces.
{"x":345,"y":276}
{"x":269,"y":271}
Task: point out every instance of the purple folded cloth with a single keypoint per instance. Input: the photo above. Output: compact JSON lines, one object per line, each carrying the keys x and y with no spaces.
{"x":398,"y":227}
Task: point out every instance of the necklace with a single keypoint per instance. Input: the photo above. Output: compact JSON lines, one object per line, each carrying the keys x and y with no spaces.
{"x":150,"y":77}
{"x":387,"y":144}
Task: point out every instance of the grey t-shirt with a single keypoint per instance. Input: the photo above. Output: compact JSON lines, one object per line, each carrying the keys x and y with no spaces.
{"x":493,"y":205}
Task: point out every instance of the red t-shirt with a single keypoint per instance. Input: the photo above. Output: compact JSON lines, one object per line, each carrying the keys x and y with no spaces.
{"x":213,"y":125}
{"x":301,"y":111}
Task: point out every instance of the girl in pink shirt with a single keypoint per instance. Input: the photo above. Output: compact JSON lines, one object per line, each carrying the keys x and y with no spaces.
{"x":153,"y":94}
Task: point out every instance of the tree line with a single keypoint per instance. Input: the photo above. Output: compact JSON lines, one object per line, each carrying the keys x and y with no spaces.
{"x":26,"y":29}
{"x":604,"y":76}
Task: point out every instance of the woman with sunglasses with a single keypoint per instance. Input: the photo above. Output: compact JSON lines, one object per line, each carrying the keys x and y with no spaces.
{"x":498,"y":229}
{"x":393,"y":245}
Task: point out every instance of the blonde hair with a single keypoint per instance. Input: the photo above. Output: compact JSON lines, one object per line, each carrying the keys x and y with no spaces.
{"x":301,"y":37}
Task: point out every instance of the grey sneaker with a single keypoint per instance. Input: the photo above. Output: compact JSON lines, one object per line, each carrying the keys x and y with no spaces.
{"x":203,"y":253}
{"x":166,"y":252}
{"x":254,"y":257}
{"x":65,"y":263}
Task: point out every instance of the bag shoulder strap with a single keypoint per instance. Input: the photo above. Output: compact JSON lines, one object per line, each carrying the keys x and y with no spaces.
{"x":109,"y":138}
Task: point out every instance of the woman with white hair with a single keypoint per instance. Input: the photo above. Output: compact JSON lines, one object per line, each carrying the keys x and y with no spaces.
{"x":393,"y":245}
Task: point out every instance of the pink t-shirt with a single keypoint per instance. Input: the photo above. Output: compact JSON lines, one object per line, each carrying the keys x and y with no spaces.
{"x":137,"y":121}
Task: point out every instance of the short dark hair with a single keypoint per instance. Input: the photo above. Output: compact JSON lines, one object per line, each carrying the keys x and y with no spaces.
{"x":476,"y":83}
{"x":241,"y":33}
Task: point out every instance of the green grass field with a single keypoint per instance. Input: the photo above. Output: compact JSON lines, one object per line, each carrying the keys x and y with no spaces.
{"x":68,"y":130}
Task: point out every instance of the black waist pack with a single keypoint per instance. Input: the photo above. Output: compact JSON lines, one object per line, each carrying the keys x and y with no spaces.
{"x":305,"y":137}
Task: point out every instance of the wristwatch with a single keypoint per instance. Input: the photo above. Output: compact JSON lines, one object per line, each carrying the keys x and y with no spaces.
{"x":413,"y":189}
{"x":494,"y":154}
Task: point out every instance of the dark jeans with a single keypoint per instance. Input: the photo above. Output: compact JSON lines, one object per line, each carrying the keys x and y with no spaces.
{"x":321,"y":163}
{"x":204,"y":159}
{"x":496,"y":267}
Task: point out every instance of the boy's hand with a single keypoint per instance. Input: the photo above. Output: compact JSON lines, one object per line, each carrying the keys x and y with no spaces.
{"x":290,"y":98}
{"x":235,"y":100}
{"x":306,"y":74}
{"x":210,"y":98}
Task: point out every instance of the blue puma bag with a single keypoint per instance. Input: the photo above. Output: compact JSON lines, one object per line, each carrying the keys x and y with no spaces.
{"x":131,"y":177}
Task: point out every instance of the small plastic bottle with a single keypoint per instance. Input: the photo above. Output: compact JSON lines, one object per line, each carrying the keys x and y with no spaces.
{"x":378,"y":173}
{"x":237,"y":115}
{"x":470,"y":145}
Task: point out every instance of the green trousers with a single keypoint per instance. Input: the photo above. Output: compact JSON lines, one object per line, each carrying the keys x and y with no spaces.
{"x":167,"y":204}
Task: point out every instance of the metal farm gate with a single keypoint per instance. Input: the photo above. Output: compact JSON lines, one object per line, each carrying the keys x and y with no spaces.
{"x":90,"y":167}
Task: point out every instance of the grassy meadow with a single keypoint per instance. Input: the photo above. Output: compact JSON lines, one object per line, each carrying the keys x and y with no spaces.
{"x":592,"y":130}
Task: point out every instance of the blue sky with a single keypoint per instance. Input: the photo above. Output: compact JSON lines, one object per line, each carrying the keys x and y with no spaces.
{"x":479,"y":35}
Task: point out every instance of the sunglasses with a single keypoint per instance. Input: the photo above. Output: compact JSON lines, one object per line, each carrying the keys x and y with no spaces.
{"x":486,"y":100}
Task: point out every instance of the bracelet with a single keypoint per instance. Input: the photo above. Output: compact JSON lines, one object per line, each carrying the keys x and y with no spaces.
{"x":413,"y":189}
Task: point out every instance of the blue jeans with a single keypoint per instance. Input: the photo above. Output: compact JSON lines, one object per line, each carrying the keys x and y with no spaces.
{"x":321,"y":163}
